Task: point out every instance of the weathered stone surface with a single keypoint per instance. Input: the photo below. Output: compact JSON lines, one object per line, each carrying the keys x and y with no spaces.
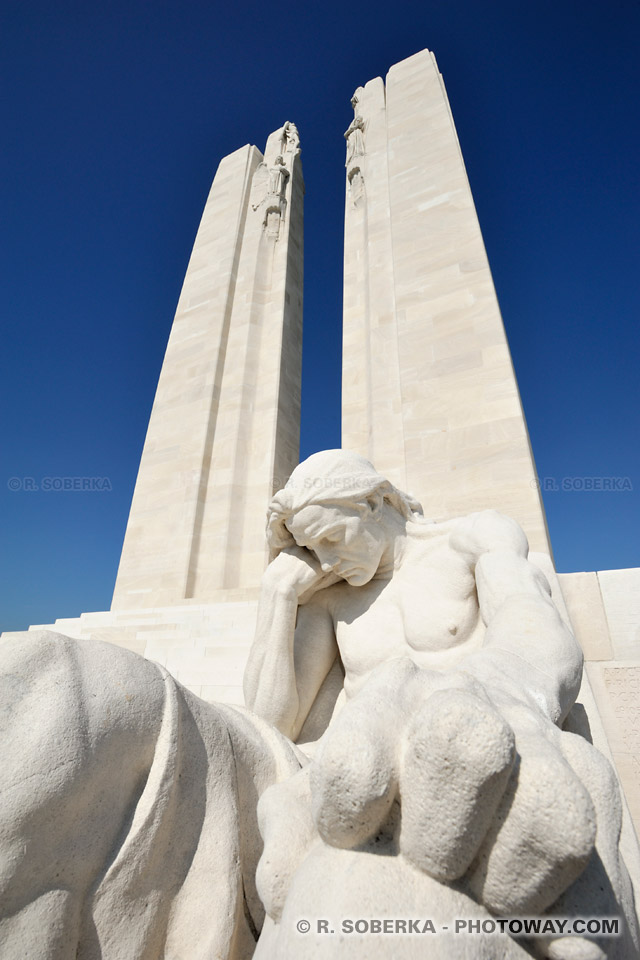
{"x":616,"y":685}
{"x":620,"y":591}
{"x":584,"y":602}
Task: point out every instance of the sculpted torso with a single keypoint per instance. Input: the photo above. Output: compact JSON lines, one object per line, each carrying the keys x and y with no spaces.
{"x":428,"y":611}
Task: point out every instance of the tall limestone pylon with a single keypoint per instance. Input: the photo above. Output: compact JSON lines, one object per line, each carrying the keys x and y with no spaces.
{"x":224,"y":429}
{"x":428,"y":389}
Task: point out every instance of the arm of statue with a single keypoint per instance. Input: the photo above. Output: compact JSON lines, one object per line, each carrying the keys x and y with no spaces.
{"x":351,"y":128}
{"x":294,"y":645}
{"x":528,"y":648}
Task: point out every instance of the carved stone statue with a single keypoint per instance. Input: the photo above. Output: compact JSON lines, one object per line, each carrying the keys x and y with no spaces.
{"x":354,"y":136}
{"x":278,"y":176}
{"x":268,"y":190}
{"x":289,"y":138}
{"x":443,"y":785}
{"x":269,"y":185}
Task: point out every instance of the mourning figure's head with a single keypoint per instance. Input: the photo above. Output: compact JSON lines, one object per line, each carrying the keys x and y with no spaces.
{"x":338,"y":506}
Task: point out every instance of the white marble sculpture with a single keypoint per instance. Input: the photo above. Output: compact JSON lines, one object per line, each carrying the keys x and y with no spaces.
{"x":442,"y":787}
{"x":269,"y":183}
{"x":278,"y":176}
{"x":289,"y":138}
{"x":354,"y":134}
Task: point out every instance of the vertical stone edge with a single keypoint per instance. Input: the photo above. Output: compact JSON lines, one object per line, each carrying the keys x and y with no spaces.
{"x":158,"y":543}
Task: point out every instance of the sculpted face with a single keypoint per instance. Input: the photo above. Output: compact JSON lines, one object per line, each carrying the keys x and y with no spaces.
{"x":347,"y":541}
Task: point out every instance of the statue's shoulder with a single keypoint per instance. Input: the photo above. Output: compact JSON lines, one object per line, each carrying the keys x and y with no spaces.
{"x":485,"y":532}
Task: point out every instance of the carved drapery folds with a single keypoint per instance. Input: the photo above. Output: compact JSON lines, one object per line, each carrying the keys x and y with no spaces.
{"x":355,"y":137}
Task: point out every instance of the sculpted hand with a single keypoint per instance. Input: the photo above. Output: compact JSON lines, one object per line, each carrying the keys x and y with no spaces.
{"x":491,"y":793}
{"x":296,"y":572}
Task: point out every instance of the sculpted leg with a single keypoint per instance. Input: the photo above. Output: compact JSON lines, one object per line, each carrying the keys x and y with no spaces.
{"x":542,"y":835}
{"x":288,"y":832}
{"x":458,"y":756}
{"x":354,"y":776}
{"x":446,"y":753}
{"x":516,"y":830}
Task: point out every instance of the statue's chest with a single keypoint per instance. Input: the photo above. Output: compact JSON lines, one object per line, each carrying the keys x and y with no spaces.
{"x":424,"y":611}
{"x":440,"y":607}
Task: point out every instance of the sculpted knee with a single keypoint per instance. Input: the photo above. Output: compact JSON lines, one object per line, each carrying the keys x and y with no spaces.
{"x":457,"y":760}
{"x":542,"y":837}
{"x":354,"y":776}
{"x":353,"y":785}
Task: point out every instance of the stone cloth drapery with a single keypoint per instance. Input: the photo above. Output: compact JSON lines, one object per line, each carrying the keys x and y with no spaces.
{"x":128,"y":825}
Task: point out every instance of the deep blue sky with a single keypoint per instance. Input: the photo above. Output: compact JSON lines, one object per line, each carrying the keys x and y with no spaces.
{"x":114,"y":117}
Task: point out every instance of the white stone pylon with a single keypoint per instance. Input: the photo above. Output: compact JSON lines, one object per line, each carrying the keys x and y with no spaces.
{"x":224,"y":430}
{"x":428,"y":389}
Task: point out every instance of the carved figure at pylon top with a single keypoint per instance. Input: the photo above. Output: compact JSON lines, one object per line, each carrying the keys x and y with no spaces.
{"x":290,"y":138}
